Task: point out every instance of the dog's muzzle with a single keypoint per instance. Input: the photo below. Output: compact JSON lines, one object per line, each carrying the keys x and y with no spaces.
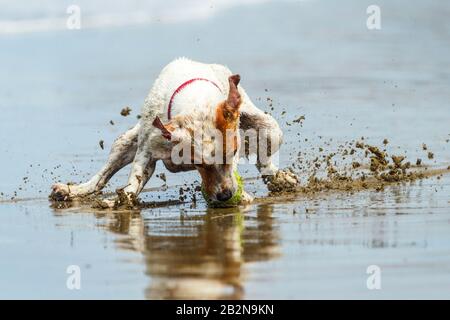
{"x":230,"y":200}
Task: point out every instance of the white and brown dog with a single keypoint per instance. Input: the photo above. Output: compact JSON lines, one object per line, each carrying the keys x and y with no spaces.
{"x":187,"y":98}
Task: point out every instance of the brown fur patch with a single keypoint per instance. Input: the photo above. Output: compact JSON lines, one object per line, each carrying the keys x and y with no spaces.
{"x":227,"y":119}
{"x":209,"y":178}
{"x":227,"y":116}
{"x":212,"y":179}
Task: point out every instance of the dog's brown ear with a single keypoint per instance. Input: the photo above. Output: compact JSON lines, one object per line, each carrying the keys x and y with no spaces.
{"x":234,"y":97}
{"x":228,"y":110}
{"x":164,"y":128}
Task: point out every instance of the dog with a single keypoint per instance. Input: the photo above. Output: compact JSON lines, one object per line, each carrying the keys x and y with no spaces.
{"x":189,"y":97}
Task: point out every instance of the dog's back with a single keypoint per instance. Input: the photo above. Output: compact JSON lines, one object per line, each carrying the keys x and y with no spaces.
{"x":178,"y":72}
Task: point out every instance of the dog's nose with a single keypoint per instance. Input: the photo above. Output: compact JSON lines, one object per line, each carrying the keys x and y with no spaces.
{"x":224,"y":195}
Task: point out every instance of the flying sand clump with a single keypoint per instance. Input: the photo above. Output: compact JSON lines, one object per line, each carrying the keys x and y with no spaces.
{"x":377,"y":170}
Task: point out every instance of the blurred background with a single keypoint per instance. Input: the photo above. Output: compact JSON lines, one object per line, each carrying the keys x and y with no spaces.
{"x":60,"y":89}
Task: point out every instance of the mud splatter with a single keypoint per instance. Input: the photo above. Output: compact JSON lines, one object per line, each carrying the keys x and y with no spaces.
{"x":162,"y":176}
{"x":299,"y":119}
{"x":378,"y":170}
{"x":282,"y":181}
{"x":125,"y":111}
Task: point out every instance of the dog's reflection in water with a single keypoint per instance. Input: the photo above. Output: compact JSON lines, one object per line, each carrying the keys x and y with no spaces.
{"x":198,"y":255}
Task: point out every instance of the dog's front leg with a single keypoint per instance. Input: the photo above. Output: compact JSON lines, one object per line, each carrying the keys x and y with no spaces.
{"x":269,"y":139}
{"x":142,"y":169}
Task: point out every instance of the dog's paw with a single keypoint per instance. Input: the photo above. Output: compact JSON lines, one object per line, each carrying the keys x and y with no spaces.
{"x":282,"y":181}
{"x":126,"y":200}
{"x":104,"y":203}
{"x":60,"y":192}
{"x":123,"y":201}
{"x":246,"y":198}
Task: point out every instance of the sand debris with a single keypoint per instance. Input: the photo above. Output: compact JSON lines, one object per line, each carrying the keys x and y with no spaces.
{"x":299,"y":119}
{"x":125,"y":111}
{"x":382,"y":169}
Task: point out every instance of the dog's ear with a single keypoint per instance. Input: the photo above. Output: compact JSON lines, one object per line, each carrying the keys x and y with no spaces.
{"x":228,"y":110}
{"x":234,"y":97}
{"x":165,"y":129}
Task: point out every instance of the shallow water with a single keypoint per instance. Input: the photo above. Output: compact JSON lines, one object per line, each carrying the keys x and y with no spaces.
{"x":59,"y":90}
{"x":305,"y":248}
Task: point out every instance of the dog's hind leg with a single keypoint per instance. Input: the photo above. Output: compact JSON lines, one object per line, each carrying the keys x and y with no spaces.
{"x":122,"y":153}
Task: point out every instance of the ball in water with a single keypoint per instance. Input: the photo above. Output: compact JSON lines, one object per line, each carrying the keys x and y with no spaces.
{"x":233,"y":201}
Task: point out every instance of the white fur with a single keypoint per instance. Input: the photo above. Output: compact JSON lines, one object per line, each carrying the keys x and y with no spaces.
{"x":193,"y":98}
{"x":143,"y":145}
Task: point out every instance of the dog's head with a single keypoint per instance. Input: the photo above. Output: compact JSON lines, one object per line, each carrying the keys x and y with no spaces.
{"x":210,"y":141}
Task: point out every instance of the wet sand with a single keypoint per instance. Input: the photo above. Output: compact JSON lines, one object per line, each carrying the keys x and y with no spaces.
{"x":303,"y":247}
{"x":347,"y":82}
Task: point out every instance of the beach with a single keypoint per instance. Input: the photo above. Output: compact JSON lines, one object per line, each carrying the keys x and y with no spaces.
{"x":60,"y":89}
